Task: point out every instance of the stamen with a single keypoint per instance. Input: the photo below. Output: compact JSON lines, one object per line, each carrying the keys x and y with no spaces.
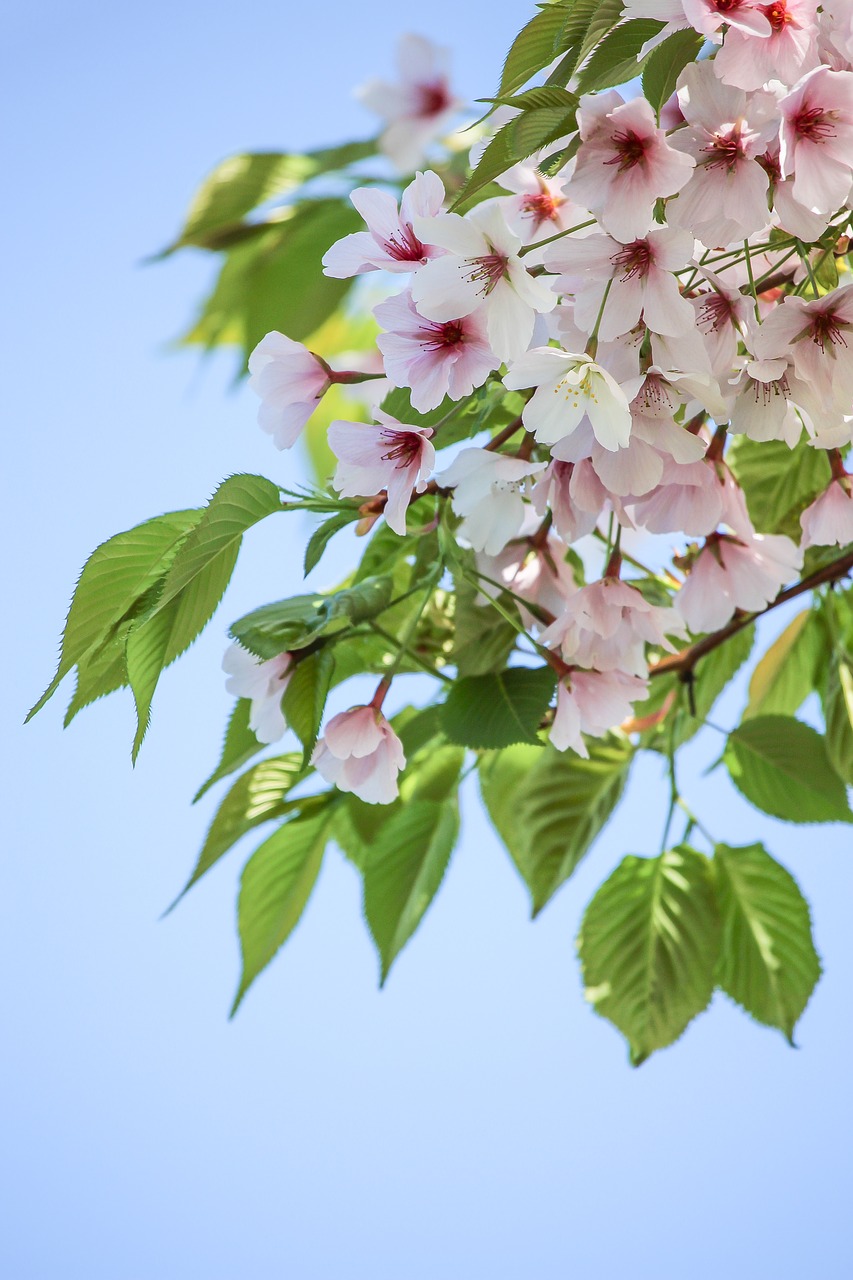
{"x":636,"y":259}
{"x":630,"y":149}
{"x":488,"y":270}
{"x":405,"y":447}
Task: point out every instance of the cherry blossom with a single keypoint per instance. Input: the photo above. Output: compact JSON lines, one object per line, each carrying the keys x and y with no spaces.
{"x":536,"y":570}
{"x":829,"y":520}
{"x":360,"y":752}
{"x":540,"y":207}
{"x":416,"y":110}
{"x":389,"y":455}
{"x":785,"y":54}
{"x":624,"y":164}
{"x":291,"y":382}
{"x":606,"y":626}
{"x":574,"y":495}
{"x":487,"y":493}
{"x":708,"y":16}
{"x":816,"y":335}
{"x":434,"y":358}
{"x":816,"y":137}
{"x":389,"y":243}
{"x":481,"y":268}
{"x":263,"y":682}
{"x":570,"y":388}
{"x":688,"y":499}
{"x":721,"y":317}
{"x":736,"y":573}
{"x":592,"y":702}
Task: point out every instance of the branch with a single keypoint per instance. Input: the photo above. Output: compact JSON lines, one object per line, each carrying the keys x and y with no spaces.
{"x":683,"y":663}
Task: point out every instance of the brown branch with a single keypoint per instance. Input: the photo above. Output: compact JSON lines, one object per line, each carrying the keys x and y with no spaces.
{"x":684,"y":662}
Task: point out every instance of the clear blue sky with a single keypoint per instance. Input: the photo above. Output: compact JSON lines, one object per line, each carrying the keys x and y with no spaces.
{"x":473,"y":1120}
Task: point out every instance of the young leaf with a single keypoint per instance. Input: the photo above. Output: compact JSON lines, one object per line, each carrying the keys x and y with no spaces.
{"x":537,"y":44}
{"x":322,"y":536}
{"x":781,"y":766}
{"x":274,"y":889}
{"x":403,"y":870}
{"x":768,"y":963}
{"x":240,"y":745}
{"x":666,"y":63}
{"x":482,"y":638}
{"x":648,"y":945}
{"x":785,"y":676}
{"x":100,"y":672}
{"x":838,"y":709}
{"x":257,"y":796}
{"x":500,"y":708}
{"x":305,"y":698}
{"x":549,"y":806}
{"x":294,"y":623}
{"x":615,"y":59}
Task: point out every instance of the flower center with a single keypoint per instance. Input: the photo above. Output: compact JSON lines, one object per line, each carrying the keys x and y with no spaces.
{"x":432,"y":98}
{"x":634,"y":260}
{"x":777,"y":15}
{"x":726,"y":149}
{"x":826,"y":330}
{"x":436,"y":336}
{"x":767,"y":391}
{"x":630,"y":149}
{"x":404,"y":245}
{"x":487,"y":271}
{"x":405,"y":447}
{"x":715,"y":312}
{"x":542,"y":207}
{"x":814,"y":124}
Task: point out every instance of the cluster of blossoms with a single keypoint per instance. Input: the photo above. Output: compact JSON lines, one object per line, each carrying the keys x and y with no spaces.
{"x":650,"y":299}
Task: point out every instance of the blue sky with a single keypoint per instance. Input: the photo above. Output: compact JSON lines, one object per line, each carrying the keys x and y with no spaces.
{"x":475,"y":1118}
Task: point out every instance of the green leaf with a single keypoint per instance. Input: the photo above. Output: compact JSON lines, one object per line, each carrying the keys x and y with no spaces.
{"x":482,"y":639}
{"x":274,"y":889}
{"x":786,"y":675}
{"x":778,"y":482}
{"x":293,"y":624}
{"x":434,"y":774}
{"x":499,"y":708}
{"x":838,"y":709}
{"x":517,"y":140}
{"x":305,"y":698}
{"x":117,"y":575}
{"x":537,"y":44}
{"x":614,"y":60}
{"x":549,"y":806}
{"x":648,"y":946}
{"x":768,"y":962}
{"x":541,"y":95}
{"x":590,"y":21}
{"x":403,"y":871}
{"x":322,"y":536}
{"x":781,"y":766}
{"x":100,"y":672}
{"x":240,"y":745}
{"x":665,"y":64}
{"x":257,"y":796}
{"x":710,"y":677}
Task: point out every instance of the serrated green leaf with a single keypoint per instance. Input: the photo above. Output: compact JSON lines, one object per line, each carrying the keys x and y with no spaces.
{"x":101,"y":671}
{"x":590,"y":21}
{"x":239,"y":745}
{"x":838,"y":709}
{"x":785,"y":676}
{"x":292,"y":624}
{"x":274,"y":889}
{"x":322,"y":536}
{"x":257,"y":796}
{"x":548,"y":806}
{"x":615,"y":59}
{"x":537,"y":44}
{"x":540,"y":126}
{"x":482,"y":639}
{"x":781,"y":766}
{"x":403,"y":870}
{"x":499,"y":708}
{"x":666,"y":63}
{"x":768,"y":962}
{"x":542,"y":95}
{"x":649,"y":944}
{"x":305,"y":697}
{"x":434,"y":775}
{"x":778,"y":482}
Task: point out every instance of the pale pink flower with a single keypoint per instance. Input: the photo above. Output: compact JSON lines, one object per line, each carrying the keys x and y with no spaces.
{"x":790,"y":214}
{"x":837,"y":32}
{"x":829,"y":520}
{"x":263,"y":682}
{"x":688,"y":499}
{"x":816,"y":137}
{"x":606,"y":626}
{"x":416,"y":110}
{"x":815,"y":335}
{"x":721,"y":318}
{"x":748,"y":60}
{"x":570,"y":388}
{"x":708,"y":16}
{"x":624,"y":164}
{"x":291,"y":382}
{"x":735,"y":573}
{"x":726,"y":197}
{"x":574,"y":495}
{"x":540,"y":207}
{"x":593,"y":702}
{"x":434,"y":358}
{"x":639,"y":467}
{"x":670,"y":12}
{"x":763,"y":408}
{"x":640,"y":276}
{"x":481,"y":268}
{"x":538,"y":573}
{"x":390,"y":456}
{"x":361,"y":753}
{"x":389,"y":243}
{"x":488,"y":493}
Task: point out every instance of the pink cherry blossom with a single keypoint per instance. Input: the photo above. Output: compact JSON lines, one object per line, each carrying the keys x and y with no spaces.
{"x":606,"y":626}
{"x":829,"y":520}
{"x":569,"y":388}
{"x":538,"y":572}
{"x":736,"y":573}
{"x":721,"y":317}
{"x":640,"y":278}
{"x":416,"y":110}
{"x":481,"y":268}
{"x":708,"y":16}
{"x":816,"y":334}
{"x":726,"y":197}
{"x":688,"y":499}
{"x":360,"y":752}
{"x":291,"y":382}
{"x":593,"y":702}
{"x":816,"y":136}
{"x":763,"y":408}
{"x":574,"y":495}
{"x":389,"y":455}
{"x":434,"y":358}
{"x":624,"y":164}
{"x":263,"y":682}
{"x":540,"y":207}
{"x":748,"y":60}
{"x":488,"y":493}
{"x":389,"y":243}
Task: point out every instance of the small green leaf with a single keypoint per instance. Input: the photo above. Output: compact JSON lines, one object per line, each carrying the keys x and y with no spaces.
{"x":838,"y":709}
{"x":500,"y":708}
{"x":537,"y":44}
{"x":778,"y":482}
{"x":781,"y":766}
{"x":240,"y":745}
{"x":404,"y":868}
{"x":482,"y":638}
{"x":786,"y":675}
{"x":274,"y":889}
{"x":293,"y":624}
{"x":768,"y":962}
{"x":322,"y":536}
{"x":666,"y":63}
{"x":549,"y":806}
{"x":615,"y":59}
{"x":305,"y":698}
{"x":648,"y":946}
